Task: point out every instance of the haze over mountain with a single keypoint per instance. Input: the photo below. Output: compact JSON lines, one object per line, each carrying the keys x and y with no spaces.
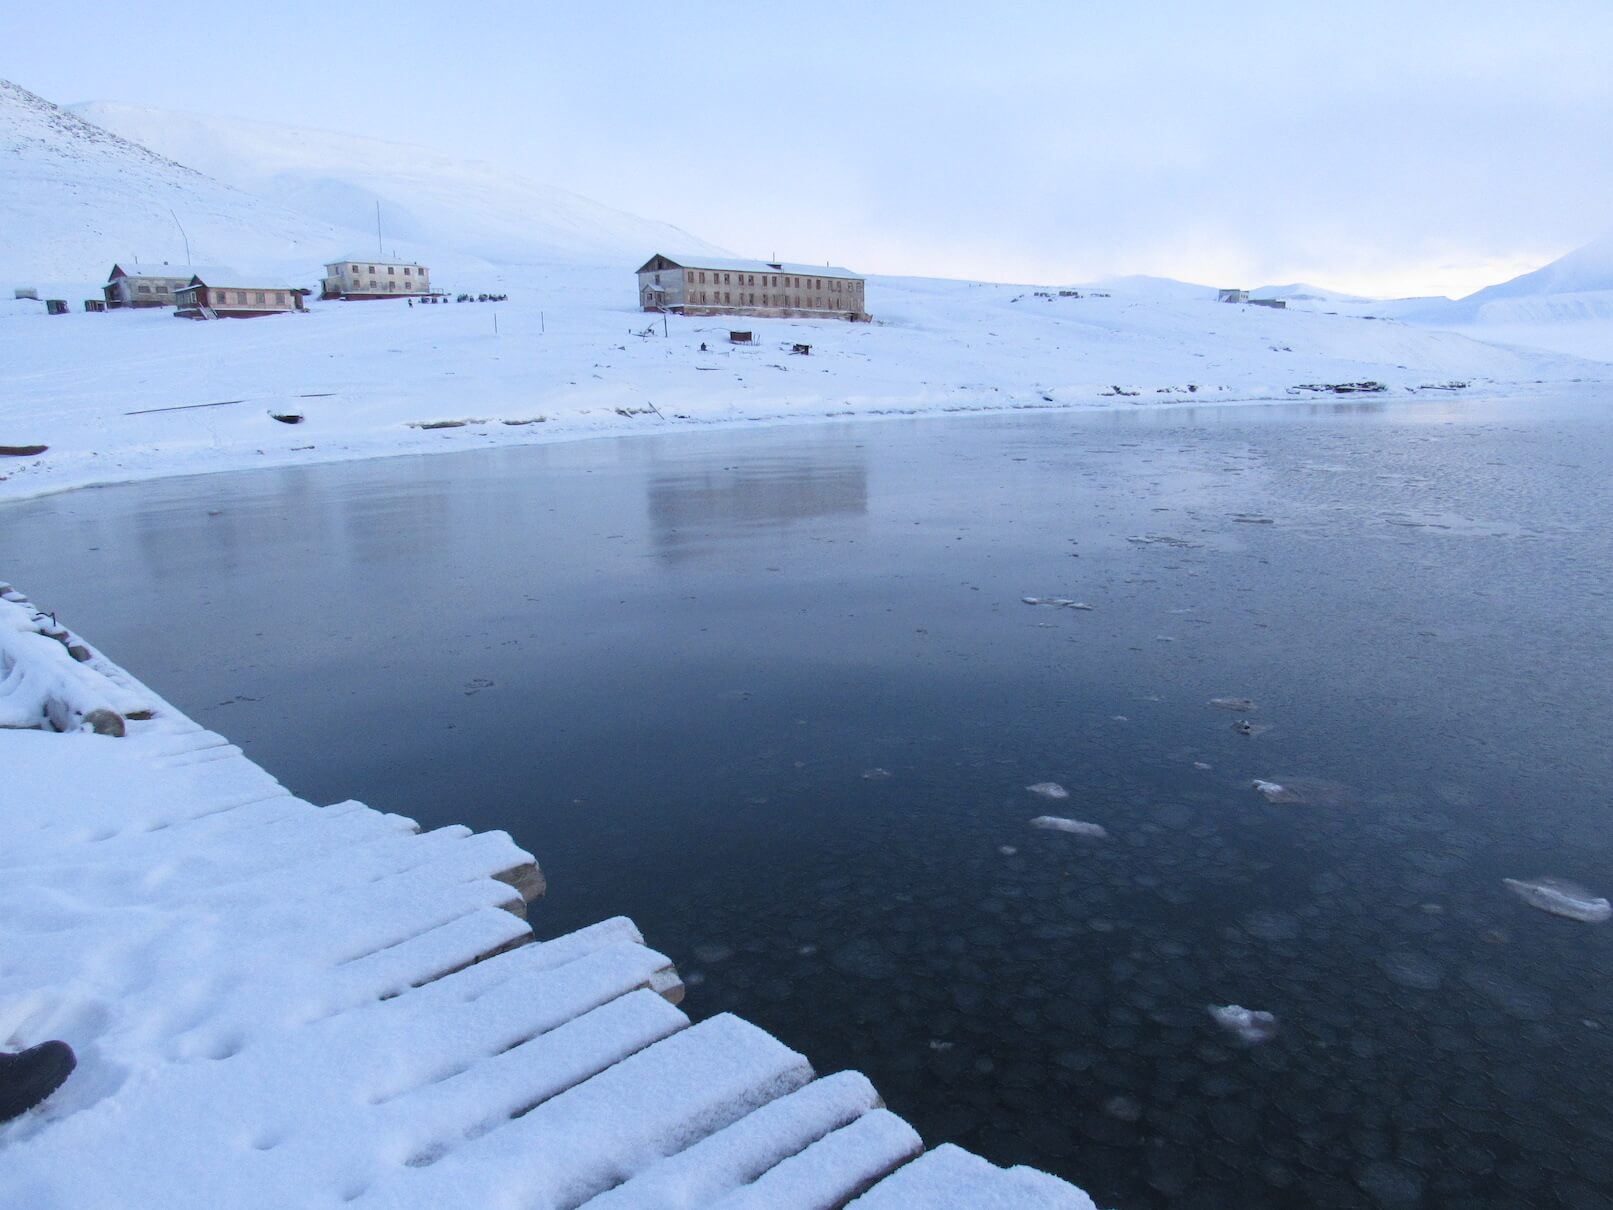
{"x":77,"y":197}
{"x":428,"y":200}
{"x":138,"y":182}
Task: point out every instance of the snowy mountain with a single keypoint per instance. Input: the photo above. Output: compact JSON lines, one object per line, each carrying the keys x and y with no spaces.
{"x":1582,"y":271}
{"x":428,"y":200}
{"x":1565,"y":306}
{"x":76,"y":198}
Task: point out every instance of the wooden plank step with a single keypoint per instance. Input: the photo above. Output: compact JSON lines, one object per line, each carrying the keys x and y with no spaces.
{"x":488,"y":1093}
{"x":593,"y":1136}
{"x":950,"y":1178}
{"x":834,"y":1169}
{"x":736,"y":1155}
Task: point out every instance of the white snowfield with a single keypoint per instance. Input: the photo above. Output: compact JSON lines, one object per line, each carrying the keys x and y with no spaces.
{"x":115,"y":396}
{"x":276,"y":1004}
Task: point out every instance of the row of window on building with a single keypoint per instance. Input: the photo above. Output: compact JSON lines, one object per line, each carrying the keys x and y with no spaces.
{"x":725,"y":298}
{"x":697,"y":276}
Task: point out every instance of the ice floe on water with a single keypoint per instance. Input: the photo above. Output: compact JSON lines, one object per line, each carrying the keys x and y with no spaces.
{"x":1314,"y":791}
{"x":1239,"y":705}
{"x":1560,"y":898}
{"x":1275,"y":791}
{"x":1244,"y":727}
{"x":1250,"y":1026}
{"x":1076,"y":827}
{"x":1056,"y":602}
{"x":1049,"y":789}
{"x":876,"y":774}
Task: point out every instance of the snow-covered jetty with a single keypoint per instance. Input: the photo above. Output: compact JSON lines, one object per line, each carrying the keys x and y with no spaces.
{"x":276,"y":1004}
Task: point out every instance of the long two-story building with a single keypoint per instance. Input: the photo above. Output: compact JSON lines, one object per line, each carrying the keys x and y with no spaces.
{"x":707,"y":285}
{"x":366,"y":277}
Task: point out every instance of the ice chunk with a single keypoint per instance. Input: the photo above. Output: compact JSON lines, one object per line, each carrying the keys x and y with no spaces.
{"x":1560,"y":898}
{"x":1049,"y":789}
{"x":876,"y":774}
{"x":1238,"y":705}
{"x":1275,"y":791}
{"x":1056,"y":602}
{"x":1057,"y":823}
{"x":1246,"y":1024}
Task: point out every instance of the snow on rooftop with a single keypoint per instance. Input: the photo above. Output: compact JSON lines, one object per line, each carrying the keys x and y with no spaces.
{"x":369,"y":260}
{"x":696,"y":261}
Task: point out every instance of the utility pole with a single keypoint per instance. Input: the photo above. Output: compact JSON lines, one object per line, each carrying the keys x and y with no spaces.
{"x":379,"y":250}
{"x":182,"y":236}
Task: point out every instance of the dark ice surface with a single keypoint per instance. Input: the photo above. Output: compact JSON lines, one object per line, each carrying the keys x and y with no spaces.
{"x":776,"y":695}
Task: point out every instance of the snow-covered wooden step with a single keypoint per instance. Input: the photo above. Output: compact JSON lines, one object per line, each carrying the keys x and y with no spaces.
{"x":950,"y":1178}
{"x":833,"y":1170}
{"x":591,"y":1137}
{"x":738,"y":1154}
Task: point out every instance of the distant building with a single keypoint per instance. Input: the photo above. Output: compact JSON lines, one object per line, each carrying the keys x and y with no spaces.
{"x":155,"y":285}
{"x":716,"y":286}
{"x":1233,"y":296}
{"x":1276,"y":304}
{"x":204,"y":299}
{"x":366,"y":277}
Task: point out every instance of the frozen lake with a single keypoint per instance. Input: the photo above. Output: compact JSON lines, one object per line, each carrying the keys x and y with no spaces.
{"x":777,"y":695}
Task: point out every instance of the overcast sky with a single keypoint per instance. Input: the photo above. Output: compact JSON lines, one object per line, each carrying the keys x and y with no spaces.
{"x":1386,"y":148}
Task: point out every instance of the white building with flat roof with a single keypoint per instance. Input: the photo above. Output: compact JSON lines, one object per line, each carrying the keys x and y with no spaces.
{"x":706,"y":285}
{"x":367,"y":277}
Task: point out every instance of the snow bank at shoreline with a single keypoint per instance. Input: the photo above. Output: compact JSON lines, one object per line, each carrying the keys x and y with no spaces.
{"x":126,"y":396}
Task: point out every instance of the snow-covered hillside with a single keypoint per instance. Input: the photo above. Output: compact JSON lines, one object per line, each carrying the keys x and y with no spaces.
{"x":75,"y":198}
{"x":428,"y":200}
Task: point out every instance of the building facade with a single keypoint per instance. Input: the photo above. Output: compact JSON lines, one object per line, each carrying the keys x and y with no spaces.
{"x":366,"y":277}
{"x":718,"y":286}
{"x":205,"y":300}
{"x":155,"y":285}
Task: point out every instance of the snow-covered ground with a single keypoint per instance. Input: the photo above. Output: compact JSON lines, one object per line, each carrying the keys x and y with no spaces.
{"x":569,"y":355}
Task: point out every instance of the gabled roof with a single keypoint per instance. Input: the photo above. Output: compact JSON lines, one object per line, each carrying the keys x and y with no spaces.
{"x":750,"y":266}
{"x":182,"y":272}
{"x":232,"y":282}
